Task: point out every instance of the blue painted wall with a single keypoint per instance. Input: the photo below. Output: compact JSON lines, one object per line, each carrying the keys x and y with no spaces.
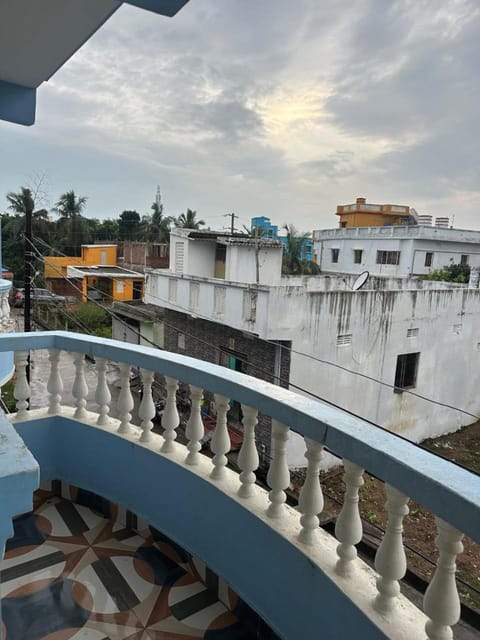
{"x":277,"y":580}
{"x":262,"y":222}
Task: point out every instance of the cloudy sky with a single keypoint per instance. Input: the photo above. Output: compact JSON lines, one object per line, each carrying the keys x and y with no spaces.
{"x":282,"y":108}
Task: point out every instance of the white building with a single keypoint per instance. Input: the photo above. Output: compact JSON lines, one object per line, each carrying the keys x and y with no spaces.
{"x":395,"y":250}
{"x":379,"y":351}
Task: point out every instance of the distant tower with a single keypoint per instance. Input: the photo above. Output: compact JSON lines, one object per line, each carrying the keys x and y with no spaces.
{"x":158,"y":197}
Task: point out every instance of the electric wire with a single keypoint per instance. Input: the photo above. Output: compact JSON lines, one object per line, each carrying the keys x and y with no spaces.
{"x":268,"y":373}
{"x":113,"y":315}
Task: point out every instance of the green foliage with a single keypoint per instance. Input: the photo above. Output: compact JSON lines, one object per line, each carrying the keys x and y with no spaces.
{"x":450,"y":273}
{"x":92,"y":315}
{"x":129,"y":225}
{"x":189,"y":220}
{"x":7,"y":396}
{"x":292,"y":263}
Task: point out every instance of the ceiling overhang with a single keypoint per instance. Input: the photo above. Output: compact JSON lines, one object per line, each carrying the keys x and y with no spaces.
{"x":37,"y":38}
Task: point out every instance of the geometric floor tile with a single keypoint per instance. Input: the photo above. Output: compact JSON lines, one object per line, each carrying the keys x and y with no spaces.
{"x":70,"y":573}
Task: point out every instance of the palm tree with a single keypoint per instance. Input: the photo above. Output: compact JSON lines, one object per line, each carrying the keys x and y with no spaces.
{"x":189,"y":220}
{"x":21,"y":202}
{"x":293,"y":263}
{"x":72,"y":226}
{"x":69,"y":205}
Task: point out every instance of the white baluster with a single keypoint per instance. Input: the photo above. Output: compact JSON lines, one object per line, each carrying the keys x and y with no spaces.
{"x":5,"y":310}
{"x":80,"y":387}
{"x":21,"y":391}
{"x":55,"y":382}
{"x":311,"y":498}
{"x":278,"y":476}
{"x":170,"y":417}
{"x":441,"y":602}
{"x":248,"y":456}
{"x":125,"y":402}
{"x":220,"y":444}
{"x":348,"y":528}
{"x":390,"y":559}
{"x":2,"y":308}
{"x":146,"y":410}
{"x":102,"y":392}
{"x":195,"y":429}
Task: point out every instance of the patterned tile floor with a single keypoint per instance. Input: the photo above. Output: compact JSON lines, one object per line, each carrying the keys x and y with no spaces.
{"x":71,"y":573}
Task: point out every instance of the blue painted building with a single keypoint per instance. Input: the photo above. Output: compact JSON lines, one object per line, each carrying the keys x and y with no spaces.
{"x":269,"y":230}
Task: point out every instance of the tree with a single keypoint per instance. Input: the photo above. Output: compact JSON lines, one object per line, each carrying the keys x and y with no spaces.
{"x":13,"y":227}
{"x":188,"y":220}
{"x":293,"y":249}
{"x":451,"y":273}
{"x":21,"y":202}
{"x":72,"y":227}
{"x":129,"y":225}
{"x":159,"y":229}
{"x":69,"y":205}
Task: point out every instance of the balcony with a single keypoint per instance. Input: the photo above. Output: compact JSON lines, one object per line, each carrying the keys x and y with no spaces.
{"x":301,"y":580}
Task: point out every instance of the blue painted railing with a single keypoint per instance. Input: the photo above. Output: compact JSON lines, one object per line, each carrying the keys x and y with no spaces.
{"x":292,"y":573}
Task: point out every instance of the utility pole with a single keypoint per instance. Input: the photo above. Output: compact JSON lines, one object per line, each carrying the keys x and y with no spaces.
{"x":232,"y":216}
{"x":27,"y":281}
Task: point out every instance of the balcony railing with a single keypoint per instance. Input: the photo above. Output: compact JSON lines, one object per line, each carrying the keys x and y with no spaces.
{"x":5,"y":287}
{"x":302,"y":580}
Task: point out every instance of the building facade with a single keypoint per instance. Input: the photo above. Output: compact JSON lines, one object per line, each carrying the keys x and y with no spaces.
{"x":365,"y":214}
{"x":382,"y":352}
{"x":396,"y":250}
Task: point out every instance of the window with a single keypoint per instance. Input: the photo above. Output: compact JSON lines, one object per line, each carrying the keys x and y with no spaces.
{"x":179,"y":257}
{"x":388,"y":257}
{"x":344,"y":339}
{"x":357,"y":256}
{"x":406,"y":372}
{"x":464,"y":259}
{"x":412,"y":333}
{"x":343,"y":225}
{"x":335,"y":254}
{"x":428,"y":259}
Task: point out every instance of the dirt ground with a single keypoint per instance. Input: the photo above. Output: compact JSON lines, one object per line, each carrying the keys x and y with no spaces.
{"x":419,"y":526}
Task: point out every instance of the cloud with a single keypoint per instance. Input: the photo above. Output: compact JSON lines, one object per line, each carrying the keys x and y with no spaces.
{"x":282,"y":108}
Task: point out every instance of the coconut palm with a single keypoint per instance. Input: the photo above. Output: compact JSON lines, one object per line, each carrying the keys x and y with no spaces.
{"x":72,"y":227}
{"x":188,"y":220}
{"x":292,"y":263}
{"x":69,"y":205}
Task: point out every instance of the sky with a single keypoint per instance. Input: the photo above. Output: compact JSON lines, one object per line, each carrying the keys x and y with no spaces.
{"x":278,"y":108}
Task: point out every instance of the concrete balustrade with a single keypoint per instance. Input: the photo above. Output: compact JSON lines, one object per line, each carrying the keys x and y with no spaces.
{"x":327,"y":572}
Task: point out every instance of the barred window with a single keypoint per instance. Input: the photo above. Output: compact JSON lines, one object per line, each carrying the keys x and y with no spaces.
{"x":388,"y":257}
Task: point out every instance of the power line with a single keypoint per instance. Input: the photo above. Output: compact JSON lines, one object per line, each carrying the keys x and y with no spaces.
{"x":309,"y":356}
{"x":268,"y":373}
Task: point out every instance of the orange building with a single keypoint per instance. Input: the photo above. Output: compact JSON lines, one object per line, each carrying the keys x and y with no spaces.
{"x":94,"y":274}
{"x":363,"y":214}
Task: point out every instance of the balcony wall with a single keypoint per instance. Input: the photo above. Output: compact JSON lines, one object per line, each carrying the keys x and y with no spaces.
{"x":241,"y":306}
{"x":300,"y":579}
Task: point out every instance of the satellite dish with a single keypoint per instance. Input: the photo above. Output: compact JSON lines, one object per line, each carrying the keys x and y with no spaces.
{"x":360,"y":281}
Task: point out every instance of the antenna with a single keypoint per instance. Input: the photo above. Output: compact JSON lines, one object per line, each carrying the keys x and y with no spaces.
{"x":360,"y":281}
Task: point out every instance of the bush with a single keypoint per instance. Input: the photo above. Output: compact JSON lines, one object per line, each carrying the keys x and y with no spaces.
{"x":451,"y":273}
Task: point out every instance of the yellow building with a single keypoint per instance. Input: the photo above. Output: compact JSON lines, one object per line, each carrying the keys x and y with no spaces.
{"x":94,"y":274}
{"x":363,"y":214}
